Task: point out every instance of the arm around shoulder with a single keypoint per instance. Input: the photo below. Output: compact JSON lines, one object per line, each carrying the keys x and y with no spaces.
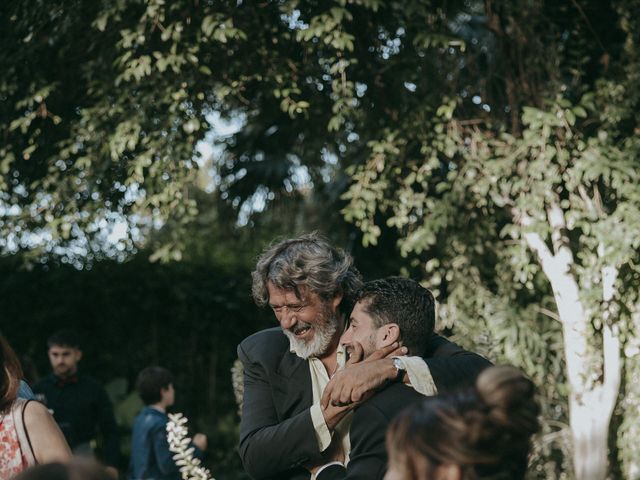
{"x":47,"y":441}
{"x":452,"y":366}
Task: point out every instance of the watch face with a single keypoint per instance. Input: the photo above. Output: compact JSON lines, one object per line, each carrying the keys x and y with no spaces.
{"x":398,"y":364}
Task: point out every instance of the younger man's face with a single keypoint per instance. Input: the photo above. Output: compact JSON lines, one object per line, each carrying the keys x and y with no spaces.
{"x":362,"y":330}
{"x":64,"y":360}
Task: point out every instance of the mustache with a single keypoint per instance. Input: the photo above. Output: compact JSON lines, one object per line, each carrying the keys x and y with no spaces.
{"x":299,"y":326}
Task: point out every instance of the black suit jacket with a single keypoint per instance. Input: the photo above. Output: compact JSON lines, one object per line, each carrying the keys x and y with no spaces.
{"x":368,"y":457}
{"x":276,"y":432}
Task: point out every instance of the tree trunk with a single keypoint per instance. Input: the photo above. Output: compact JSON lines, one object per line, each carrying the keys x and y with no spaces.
{"x":590,"y":405}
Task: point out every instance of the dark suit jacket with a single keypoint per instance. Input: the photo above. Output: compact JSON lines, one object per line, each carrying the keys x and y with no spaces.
{"x":368,"y":457}
{"x":276,"y":432}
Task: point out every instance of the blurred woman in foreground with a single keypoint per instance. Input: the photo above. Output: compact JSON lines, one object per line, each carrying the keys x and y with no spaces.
{"x":483,"y":433}
{"x":28,"y":433}
{"x":77,"y":470}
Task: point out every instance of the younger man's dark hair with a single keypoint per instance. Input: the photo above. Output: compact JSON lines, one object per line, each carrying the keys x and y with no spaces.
{"x":64,"y":338}
{"x":151,"y":381}
{"x":402,"y":301}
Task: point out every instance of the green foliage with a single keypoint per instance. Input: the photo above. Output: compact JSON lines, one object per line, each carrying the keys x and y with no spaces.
{"x":461,"y":189}
{"x":454,"y":122}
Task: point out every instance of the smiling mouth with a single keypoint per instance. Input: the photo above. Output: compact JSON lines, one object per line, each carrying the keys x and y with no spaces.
{"x":301,"y":331}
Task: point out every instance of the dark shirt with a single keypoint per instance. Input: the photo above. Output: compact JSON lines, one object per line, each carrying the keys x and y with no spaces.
{"x":80,"y":406}
{"x":151,"y":458}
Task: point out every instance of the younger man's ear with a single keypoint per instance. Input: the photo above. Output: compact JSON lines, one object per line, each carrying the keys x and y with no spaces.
{"x":391,"y":333}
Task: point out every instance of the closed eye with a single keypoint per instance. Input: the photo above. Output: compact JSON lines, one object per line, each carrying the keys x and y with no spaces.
{"x":292,"y":308}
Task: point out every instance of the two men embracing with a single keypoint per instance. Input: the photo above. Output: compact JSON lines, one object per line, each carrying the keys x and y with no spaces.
{"x":300,"y":388}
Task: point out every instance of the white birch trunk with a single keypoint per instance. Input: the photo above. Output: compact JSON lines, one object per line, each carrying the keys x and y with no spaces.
{"x":590,"y":405}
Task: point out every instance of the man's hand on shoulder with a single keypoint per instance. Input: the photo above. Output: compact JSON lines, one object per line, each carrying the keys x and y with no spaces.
{"x":360,"y":378}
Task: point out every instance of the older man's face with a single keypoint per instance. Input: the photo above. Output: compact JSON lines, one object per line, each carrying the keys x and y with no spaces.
{"x":310,"y":323}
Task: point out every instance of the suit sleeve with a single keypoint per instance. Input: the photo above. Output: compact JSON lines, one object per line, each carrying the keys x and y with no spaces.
{"x":368,"y":457}
{"x":451,"y":366}
{"x":269,"y":446}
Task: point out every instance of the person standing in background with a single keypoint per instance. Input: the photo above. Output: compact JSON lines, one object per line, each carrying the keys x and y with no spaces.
{"x":79,"y":404}
{"x":151,"y":458}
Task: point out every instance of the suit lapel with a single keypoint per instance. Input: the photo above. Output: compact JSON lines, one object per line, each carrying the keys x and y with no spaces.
{"x":292,"y":386}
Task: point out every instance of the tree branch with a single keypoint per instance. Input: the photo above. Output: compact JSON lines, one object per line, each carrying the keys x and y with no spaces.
{"x":555,"y":215}
{"x":610,"y":334}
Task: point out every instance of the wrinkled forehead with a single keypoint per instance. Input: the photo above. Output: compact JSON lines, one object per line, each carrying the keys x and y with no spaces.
{"x":300,"y":292}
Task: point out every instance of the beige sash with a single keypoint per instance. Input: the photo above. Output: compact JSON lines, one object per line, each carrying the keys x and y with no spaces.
{"x":17,"y":412}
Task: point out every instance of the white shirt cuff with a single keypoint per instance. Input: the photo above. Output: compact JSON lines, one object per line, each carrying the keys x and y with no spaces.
{"x":419,"y":375}
{"x":323,"y":435}
{"x":315,"y":475}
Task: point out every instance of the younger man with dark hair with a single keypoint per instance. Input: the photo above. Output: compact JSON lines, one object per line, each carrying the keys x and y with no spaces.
{"x":150,"y":455}
{"x":388,"y":310}
{"x":79,"y":404}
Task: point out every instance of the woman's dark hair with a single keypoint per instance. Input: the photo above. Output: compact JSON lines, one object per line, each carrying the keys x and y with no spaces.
{"x":10,"y":374}
{"x":151,"y":381}
{"x":485,"y":431}
{"x":77,"y":470}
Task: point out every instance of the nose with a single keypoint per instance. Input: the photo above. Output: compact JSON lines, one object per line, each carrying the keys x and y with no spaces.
{"x":346,"y":338}
{"x":287,"y":318}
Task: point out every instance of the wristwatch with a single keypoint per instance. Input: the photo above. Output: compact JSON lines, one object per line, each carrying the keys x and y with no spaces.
{"x":400,"y":369}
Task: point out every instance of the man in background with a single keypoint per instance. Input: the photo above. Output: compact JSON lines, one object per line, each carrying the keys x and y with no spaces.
{"x":79,"y":404}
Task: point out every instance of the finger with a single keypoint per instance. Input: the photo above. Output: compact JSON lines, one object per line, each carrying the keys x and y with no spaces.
{"x":398,"y":352}
{"x":383,"y":352}
{"x":345,"y":396}
{"x":355,"y":396}
{"x":356,"y":353}
{"x":326,"y":395}
{"x":335,"y":395}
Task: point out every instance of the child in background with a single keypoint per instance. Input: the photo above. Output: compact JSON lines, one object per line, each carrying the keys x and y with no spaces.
{"x":151,"y":458}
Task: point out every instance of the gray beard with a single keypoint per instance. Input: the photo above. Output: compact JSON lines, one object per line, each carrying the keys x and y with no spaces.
{"x":319,"y":344}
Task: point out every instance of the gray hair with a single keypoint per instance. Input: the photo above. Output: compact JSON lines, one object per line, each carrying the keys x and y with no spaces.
{"x":310,"y":261}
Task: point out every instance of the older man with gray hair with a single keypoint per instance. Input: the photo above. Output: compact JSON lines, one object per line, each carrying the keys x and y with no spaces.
{"x":287,"y":429}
